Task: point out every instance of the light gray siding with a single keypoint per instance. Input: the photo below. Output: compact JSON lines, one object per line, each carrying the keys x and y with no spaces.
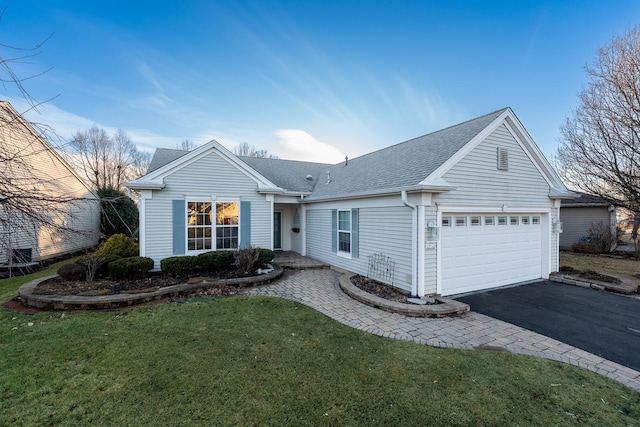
{"x":478,"y":180}
{"x":430,"y":254}
{"x":382,"y":229}
{"x":209,"y":178}
{"x":576,"y":222}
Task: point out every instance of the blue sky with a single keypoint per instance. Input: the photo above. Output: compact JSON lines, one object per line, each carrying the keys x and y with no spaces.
{"x":306,"y":80}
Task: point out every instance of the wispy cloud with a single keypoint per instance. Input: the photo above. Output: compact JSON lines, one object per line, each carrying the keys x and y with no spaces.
{"x":299,"y":145}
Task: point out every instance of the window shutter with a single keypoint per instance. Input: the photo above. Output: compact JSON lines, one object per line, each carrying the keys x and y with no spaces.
{"x":355,"y":247}
{"x":334,"y":230}
{"x":503,"y":159}
{"x":179,"y":226}
{"x":245,"y":224}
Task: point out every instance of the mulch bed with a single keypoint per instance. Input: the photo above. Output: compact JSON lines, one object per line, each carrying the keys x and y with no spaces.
{"x":58,"y":286}
{"x":379,"y":289}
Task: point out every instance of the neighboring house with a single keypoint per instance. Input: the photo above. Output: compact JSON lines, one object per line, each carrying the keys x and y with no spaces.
{"x":466,"y":208}
{"x":68,"y":213}
{"x":580,"y":213}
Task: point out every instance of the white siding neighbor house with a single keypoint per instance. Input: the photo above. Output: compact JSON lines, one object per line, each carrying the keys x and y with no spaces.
{"x":470,"y":207}
{"x":66,"y":214}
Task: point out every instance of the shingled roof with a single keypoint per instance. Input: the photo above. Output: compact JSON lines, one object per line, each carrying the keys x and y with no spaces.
{"x":404,"y":166}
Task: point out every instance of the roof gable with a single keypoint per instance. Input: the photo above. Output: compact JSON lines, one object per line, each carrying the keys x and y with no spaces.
{"x":154,"y":179}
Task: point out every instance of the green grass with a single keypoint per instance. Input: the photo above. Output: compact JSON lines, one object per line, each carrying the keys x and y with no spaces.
{"x":265,"y":361}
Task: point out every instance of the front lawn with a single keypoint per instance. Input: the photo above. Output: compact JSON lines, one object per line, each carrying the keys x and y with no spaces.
{"x":266,"y":361}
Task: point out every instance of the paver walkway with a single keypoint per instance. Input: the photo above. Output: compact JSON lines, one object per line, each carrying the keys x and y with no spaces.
{"x":319,"y":290}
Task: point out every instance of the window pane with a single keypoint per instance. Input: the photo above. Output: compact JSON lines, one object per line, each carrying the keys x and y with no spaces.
{"x":502,"y":220}
{"x":535,"y":220}
{"x":513,"y":220}
{"x":344,"y":220}
{"x":475,"y":220}
{"x":344,"y":242}
{"x":488,"y":220}
{"x":446,"y":221}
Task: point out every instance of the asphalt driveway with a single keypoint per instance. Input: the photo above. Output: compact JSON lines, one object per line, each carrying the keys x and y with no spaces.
{"x":601,"y":323}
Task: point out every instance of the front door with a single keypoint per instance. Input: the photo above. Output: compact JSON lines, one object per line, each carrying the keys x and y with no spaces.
{"x":277,"y":230}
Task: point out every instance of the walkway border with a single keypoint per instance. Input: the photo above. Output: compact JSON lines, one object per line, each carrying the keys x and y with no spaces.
{"x":78,"y":302}
{"x":444,"y":307}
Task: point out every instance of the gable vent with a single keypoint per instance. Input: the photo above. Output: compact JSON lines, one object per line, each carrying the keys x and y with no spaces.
{"x":503,"y":159}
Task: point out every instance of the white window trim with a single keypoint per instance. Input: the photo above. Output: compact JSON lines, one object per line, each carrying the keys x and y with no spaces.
{"x":344,"y":254}
{"x":213,"y":200}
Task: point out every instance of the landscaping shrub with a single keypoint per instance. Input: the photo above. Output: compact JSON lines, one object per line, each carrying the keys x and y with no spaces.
{"x":246,"y":259}
{"x":584,"y":248}
{"x":216,"y":261}
{"x":72,"y":272}
{"x":130,"y":268}
{"x":96,"y":265}
{"x":265,"y":256}
{"x":119,"y":245}
{"x":179,"y":264}
{"x":601,"y":237}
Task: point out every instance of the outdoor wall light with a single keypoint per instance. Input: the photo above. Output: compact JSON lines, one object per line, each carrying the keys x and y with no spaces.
{"x":556,"y":226}
{"x":432,"y":231}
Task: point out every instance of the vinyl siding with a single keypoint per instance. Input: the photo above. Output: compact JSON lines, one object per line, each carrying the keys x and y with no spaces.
{"x":576,"y":222}
{"x":478,"y":181}
{"x":48,"y":174}
{"x":386,"y":230}
{"x":430,"y":254}
{"x":209,"y":178}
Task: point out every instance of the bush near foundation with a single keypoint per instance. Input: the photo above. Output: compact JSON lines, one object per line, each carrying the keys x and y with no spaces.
{"x":215,"y":261}
{"x":119,"y":245}
{"x":177,"y":265}
{"x":130,"y":268}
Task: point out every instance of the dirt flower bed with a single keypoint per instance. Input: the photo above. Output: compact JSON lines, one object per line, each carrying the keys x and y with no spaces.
{"x":379,"y":289}
{"x":589,"y":275}
{"x":57,"y":286}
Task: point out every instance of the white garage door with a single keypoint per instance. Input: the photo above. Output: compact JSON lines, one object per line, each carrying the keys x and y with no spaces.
{"x":489,"y":250}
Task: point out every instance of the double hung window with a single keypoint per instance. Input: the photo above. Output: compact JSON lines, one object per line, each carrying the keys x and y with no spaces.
{"x":344,"y":231}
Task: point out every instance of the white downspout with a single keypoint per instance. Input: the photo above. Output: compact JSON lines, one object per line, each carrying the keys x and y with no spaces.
{"x":414,"y":243}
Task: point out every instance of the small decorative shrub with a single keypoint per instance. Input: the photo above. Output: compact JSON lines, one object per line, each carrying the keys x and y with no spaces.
{"x":246,"y":259}
{"x":96,"y":265}
{"x":584,"y":248}
{"x":72,"y":272}
{"x":264,"y":257}
{"x":600,"y":237}
{"x":119,"y":245}
{"x":216,"y":261}
{"x":176,"y":265}
{"x":130,"y":268}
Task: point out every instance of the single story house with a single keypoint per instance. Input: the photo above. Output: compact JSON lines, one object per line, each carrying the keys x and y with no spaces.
{"x":470,"y":207}
{"x":47,"y":209}
{"x":580,"y":213}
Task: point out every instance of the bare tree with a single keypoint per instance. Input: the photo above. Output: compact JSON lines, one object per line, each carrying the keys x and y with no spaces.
{"x":107,"y":162}
{"x":246,"y":150}
{"x":186,"y":145}
{"x":599,"y":151}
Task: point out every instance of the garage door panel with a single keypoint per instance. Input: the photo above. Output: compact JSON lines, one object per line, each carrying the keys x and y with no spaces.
{"x":478,"y":257}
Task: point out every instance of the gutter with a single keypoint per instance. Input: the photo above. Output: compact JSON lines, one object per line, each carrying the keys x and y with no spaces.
{"x":415,"y":242}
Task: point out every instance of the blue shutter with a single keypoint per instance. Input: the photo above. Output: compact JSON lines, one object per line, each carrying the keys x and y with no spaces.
{"x":179,"y":226}
{"x":334,"y":230}
{"x":355,"y":247}
{"x":245,"y":224}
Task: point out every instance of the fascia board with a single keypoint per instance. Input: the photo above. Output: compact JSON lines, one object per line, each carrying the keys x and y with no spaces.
{"x":438,"y":188}
{"x":532,"y":151}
